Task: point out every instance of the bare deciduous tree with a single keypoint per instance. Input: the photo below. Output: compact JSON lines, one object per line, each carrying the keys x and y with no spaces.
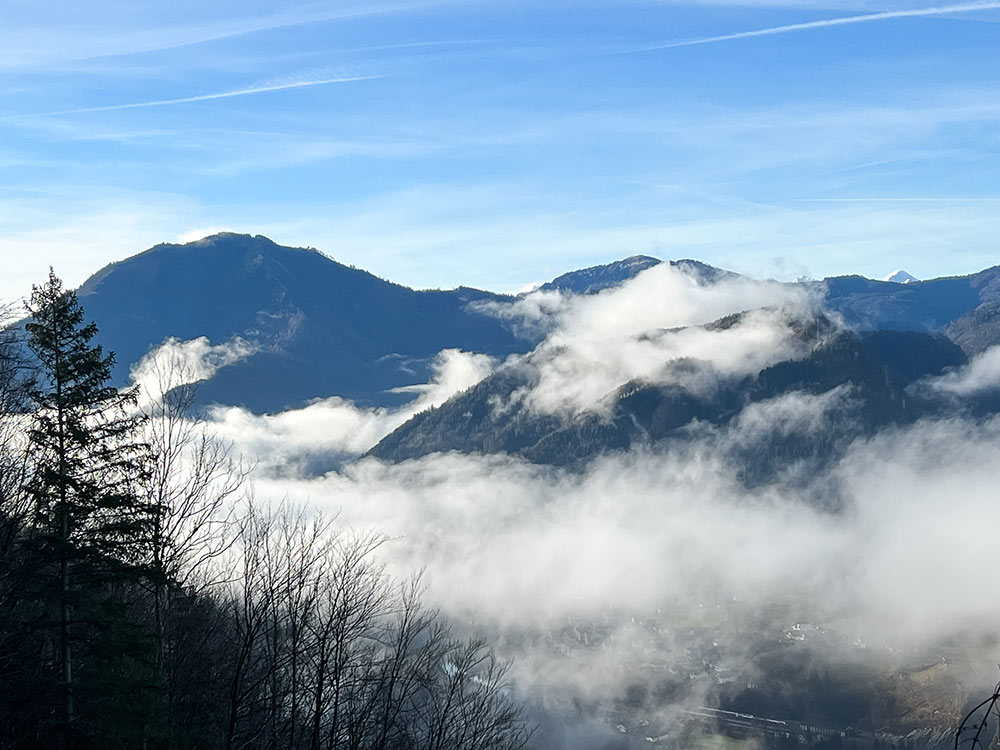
{"x":194,"y":479}
{"x":980,"y":723}
{"x":14,"y":419}
{"x":328,"y":653}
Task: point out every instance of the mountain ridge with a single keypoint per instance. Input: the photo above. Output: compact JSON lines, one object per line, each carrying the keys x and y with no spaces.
{"x":320,"y":328}
{"x":877,"y":368}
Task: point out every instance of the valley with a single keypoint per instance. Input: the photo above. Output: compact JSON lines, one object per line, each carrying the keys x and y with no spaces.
{"x":779,"y":398}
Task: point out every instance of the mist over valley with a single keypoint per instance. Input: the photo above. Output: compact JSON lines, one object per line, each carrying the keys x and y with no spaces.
{"x":508,"y":375}
{"x":686,"y":503}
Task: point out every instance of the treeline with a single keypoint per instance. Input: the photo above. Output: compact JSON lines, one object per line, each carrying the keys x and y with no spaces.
{"x":146,"y":600}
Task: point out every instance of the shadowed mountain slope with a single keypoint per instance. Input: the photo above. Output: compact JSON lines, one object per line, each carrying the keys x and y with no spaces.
{"x":865,"y":374}
{"x":964,"y":307}
{"x":320,"y":328}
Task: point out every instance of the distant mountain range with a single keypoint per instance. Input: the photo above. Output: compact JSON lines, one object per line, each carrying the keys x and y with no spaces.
{"x":319,"y":328}
{"x":878,"y":368}
{"x":964,"y":308}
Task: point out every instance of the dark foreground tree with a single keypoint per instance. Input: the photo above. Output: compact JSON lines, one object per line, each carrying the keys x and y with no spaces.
{"x":91,"y":527}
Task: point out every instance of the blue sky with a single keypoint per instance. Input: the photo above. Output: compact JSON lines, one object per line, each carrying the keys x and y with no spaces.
{"x":499,"y":143}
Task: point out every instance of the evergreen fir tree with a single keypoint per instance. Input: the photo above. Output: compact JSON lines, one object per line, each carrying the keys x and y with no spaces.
{"x":91,"y":528}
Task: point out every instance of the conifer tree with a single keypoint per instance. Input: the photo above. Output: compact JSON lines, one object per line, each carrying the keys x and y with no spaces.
{"x":91,"y":528}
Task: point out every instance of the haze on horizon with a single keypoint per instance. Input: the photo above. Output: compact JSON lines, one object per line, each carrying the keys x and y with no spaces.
{"x":496,"y":145}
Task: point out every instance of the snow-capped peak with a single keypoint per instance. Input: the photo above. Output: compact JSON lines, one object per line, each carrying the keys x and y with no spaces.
{"x":900,"y":277}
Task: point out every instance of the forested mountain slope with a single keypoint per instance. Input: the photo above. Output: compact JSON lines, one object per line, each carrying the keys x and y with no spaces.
{"x":866,"y":376}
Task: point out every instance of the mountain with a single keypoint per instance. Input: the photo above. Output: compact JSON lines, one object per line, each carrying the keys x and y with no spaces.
{"x":876,"y":367}
{"x":319,"y":328}
{"x":597,"y":278}
{"x":896,"y":334}
{"x":901,"y":277}
{"x":965,"y":308}
{"x":315,"y":328}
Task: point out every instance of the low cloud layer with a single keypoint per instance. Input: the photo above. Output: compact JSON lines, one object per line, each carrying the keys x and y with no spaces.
{"x":176,"y":363}
{"x":980,"y":375}
{"x":311,"y":439}
{"x":646,"y":550}
{"x":670,"y":537}
{"x":596,"y":343}
{"x":525,"y":545}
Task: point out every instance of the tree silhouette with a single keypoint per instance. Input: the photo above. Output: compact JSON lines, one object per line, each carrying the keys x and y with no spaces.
{"x":90,"y":525}
{"x":973,"y":732}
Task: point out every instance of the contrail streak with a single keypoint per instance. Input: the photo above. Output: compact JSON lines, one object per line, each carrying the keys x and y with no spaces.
{"x":932,"y":199}
{"x":843,"y":21}
{"x":202,"y":97}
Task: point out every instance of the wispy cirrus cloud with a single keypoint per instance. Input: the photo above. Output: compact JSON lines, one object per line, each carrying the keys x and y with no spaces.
{"x":906,"y":199}
{"x":888,"y":15}
{"x":103,"y":32}
{"x":203,"y":97}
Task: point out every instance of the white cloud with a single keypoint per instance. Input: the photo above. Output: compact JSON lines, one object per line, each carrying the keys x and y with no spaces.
{"x":31,"y":40}
{"x":981,"y":374}
{"x":176,"y":363}
{"x":524,"y":545}
{"x":508,"y":545}
{"x":827,"y":23}
{"x":788,"y":415}
{"x":329,"y":431}
{"x":454,"y":372}
{"x":192,"y":235}
{"x":597,"y":343}
{"x":258,"y":89}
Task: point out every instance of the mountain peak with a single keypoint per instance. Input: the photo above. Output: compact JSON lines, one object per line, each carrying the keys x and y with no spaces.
{"x":318,"y":328}
{"x":596,"y":278}
{"x":210,"y":239}
{"x":901,"y":277}
{"x":232,"y":241}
